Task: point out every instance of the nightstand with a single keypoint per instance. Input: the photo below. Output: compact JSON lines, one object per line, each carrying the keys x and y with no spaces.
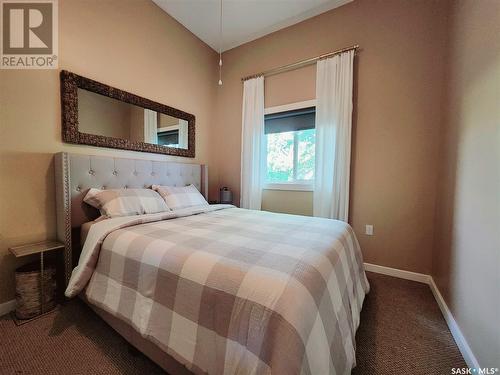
{"x":29,"y":281}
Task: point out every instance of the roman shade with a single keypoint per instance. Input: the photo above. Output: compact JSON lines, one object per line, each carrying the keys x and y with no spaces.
{"x":295,"y":120}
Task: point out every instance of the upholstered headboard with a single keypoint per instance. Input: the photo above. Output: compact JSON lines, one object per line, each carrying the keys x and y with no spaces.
{"x":77,"y":173}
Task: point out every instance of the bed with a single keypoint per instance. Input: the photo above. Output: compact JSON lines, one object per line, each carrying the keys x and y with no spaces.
{"x":214,"y":289}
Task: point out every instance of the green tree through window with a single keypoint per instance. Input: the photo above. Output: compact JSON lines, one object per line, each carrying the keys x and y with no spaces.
{"x":290,"y":156}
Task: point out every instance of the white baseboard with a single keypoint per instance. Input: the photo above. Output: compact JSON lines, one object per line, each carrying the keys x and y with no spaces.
{"x":402,"y":274}
{"x":7,"y":307}
{"x":457,"y":334}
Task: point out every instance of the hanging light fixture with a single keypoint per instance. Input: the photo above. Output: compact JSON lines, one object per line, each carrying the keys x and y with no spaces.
{"x":220,"y":45}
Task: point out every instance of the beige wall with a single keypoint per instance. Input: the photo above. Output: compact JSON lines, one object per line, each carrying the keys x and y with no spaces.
{"x":396,"y":120}
{"x":128,"y":44}
{"x":466,"y":263}
{"x":166,"y":120}
{"x":98,"y":114}
{"x":137,"y":123}
{"x":288,"y":202}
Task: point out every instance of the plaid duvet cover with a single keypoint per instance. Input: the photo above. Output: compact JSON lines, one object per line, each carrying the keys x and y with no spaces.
{"x":225,"y":290}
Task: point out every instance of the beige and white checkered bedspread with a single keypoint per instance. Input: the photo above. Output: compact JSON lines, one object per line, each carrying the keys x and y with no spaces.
{"x":231,"y":291}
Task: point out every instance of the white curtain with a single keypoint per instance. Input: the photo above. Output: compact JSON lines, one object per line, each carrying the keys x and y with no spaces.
{"x":252,"y":144}
{"x":150,"y":126}
{"x":183,"y":134}
{"x":334,"y":80}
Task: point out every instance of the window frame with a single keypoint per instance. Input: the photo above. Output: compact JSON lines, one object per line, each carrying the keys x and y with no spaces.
{"x":296,"y":185}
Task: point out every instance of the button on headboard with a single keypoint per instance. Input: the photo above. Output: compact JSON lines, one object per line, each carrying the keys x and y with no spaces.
{"x":77,"y":173}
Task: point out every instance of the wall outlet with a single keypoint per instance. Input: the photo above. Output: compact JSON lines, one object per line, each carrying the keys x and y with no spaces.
{"x":369,"y":230}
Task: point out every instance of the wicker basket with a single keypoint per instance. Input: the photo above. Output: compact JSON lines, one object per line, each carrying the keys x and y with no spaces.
{"x":28,"y":290}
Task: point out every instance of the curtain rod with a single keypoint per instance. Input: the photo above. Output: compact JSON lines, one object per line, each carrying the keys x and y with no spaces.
{"x":299,"y":64}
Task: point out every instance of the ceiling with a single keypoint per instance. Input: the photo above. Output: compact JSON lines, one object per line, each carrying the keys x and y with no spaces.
{"x":243,"y":20}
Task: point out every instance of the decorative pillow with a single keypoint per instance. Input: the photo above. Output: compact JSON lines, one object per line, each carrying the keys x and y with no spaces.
{"x":125,"y":202}
{"x":181,"y":197}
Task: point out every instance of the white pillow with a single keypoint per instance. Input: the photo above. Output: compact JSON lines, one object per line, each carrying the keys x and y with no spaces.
{"x":125,"y":202}
{"x":181,"y":197}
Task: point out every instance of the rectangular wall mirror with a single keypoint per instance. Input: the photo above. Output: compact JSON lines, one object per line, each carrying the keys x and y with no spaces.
{"x":100,"y":115}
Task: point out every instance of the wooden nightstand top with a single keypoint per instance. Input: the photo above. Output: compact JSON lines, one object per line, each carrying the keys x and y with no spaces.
{"x":35,"y":248}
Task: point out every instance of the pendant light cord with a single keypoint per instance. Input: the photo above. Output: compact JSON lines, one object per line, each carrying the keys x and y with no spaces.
{"x":220,"y":45}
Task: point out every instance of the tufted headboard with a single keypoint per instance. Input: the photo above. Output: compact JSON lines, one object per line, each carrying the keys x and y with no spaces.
{"x":75,"y":174}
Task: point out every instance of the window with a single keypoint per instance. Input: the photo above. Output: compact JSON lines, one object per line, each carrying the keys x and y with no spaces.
{"x":168,"y":138}
{"x":290,"y":144}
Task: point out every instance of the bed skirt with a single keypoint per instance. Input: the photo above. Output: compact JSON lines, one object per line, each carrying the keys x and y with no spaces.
{"x":149,"y":349}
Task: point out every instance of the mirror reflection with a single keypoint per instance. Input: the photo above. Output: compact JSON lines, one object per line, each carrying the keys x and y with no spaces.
{"x":101,"y":115}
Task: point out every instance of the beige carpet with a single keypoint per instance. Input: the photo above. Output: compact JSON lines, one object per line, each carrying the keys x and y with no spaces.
{"x":402,"y":332}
